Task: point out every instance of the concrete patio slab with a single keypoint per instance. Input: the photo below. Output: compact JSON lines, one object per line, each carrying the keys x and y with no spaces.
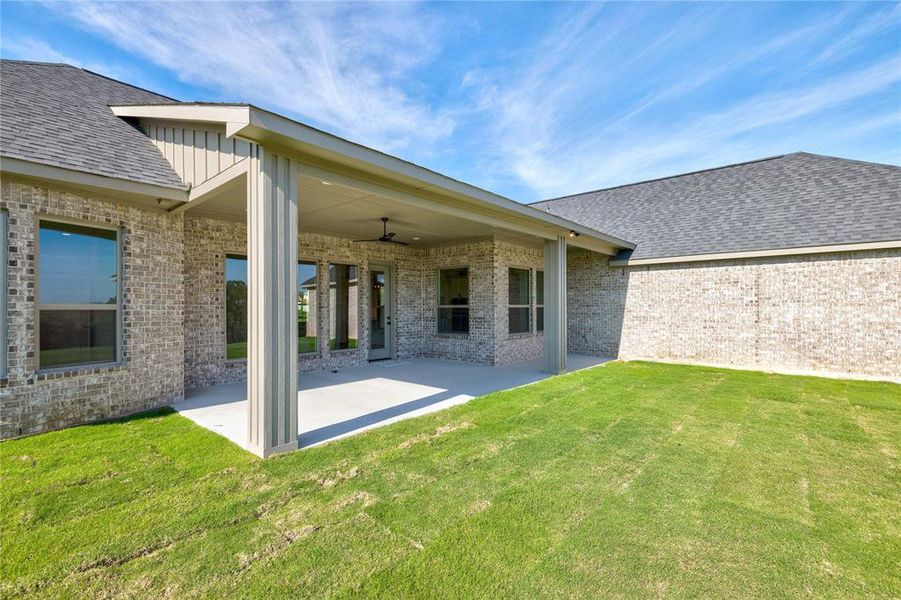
{"x":336,"y":405}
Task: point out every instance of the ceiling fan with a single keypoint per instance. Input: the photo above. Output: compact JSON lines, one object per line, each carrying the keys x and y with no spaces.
{"x":386,"y":236}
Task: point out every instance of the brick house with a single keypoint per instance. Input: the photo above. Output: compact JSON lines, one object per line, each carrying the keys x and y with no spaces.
{"x":154,"y":246}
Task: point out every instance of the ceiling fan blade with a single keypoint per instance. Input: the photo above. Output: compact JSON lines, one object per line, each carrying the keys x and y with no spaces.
{"x":396,"y":242}
{"x":373,"y":240}
{"x":390,"y":235}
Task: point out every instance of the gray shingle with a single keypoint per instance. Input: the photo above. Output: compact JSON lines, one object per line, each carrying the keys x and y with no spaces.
{"x":789,"y":201}
{"x":59,"y":115}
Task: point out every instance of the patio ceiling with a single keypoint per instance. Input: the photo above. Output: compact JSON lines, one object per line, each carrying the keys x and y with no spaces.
{"x":341,"y":211}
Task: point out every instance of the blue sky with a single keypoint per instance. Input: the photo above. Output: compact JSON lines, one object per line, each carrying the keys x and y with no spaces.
{"x":528,"y":100}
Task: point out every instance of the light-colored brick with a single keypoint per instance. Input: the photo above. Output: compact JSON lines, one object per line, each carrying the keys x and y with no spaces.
{"x":834,"y":313}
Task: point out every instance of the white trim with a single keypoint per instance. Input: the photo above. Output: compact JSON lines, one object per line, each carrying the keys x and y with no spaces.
{"x":264,"y":127}
{"x":386,"y":192}
{"x":202,"y":192}
{"x":555,"y":318}
{"x":25,"y":168}
{"x":198,"y":113}
{"x":39,"y":307}
{"x":758,"y":253}
{"x":528,"y":306}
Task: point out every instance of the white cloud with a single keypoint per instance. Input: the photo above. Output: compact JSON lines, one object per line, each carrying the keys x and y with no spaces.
{"x":349,"y":67}
{"x":31,"y":48}
{"x":608,"y":94}
{"x":547,"y":135}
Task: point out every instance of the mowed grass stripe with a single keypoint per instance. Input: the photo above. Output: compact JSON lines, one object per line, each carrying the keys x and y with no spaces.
{"x":632,"y":479}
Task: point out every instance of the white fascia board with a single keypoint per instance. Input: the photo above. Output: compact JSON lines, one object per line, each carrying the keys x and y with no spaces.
{"x":262,"y":126}
{"x":239,"y":115}
{"x":885,"y":245}
{"x":282,"y":126}
{"x":81,"y":179}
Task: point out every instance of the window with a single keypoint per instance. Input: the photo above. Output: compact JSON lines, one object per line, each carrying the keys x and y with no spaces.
{"x":453,"y":301}
{"x":235,"y":307}
{"x":307,"y":307}
{"x":342,"y":307}
{"x":4,"y":334}
{"x":519,"y":300}
{"x":78,"y":295}
{"x":539,"y":301}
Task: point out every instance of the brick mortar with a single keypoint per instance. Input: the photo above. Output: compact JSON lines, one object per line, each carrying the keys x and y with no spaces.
{"x":152,"y":373}
{"x":827,"y":313}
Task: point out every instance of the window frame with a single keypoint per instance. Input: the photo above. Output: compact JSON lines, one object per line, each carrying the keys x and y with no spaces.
{"x":539,"y":304}
{"x":225,"y":256}
{"x":328,"y":294}
{"x":318,"y":264}
{"x":117,"y":307}
{"x":439,"y":306}
{"x":528,"y":306}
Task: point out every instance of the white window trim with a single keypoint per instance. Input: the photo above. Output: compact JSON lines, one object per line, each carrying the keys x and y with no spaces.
{"x":237,"y":255}
{"x":318,"y":350}
{"x":440,"y":306}
{"x":537,"y":305}
{"x":328,"y":297}
{"x":38,"y":306}
{"x":528,"y":306}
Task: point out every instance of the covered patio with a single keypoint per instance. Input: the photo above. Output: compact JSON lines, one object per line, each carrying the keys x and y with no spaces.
{"x":332,"y":405}
{"x":349,"y":256}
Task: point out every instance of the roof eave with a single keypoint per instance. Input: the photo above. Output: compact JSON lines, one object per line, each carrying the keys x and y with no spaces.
{"x":767,"y":253}
{"x":265,"y":127}
{"x":90,"y":181}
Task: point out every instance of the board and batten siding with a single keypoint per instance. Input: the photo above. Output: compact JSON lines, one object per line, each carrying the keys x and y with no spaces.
{"x":196,"y":153}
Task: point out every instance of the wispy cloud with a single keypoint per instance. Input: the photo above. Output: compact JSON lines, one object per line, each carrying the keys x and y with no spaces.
{"x":28,"y":47}
{"x":532,"y":100}
{"x":350,"y":67}
{"x":546,"y":138}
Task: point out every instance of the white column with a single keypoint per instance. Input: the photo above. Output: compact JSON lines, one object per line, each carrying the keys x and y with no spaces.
{"x":271,"y":302}
{"x":555,"y":305}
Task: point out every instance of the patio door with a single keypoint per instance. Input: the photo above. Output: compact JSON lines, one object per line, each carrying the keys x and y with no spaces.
{"x":381,"y":312}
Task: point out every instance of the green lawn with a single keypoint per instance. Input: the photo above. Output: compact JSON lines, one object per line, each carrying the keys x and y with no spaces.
{"x":628,"y":480}
{"x":239,"y":349}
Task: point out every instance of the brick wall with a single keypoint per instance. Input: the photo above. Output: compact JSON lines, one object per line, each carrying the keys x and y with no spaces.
{"x":834,"y":313}
{"x":515,"y":347}
{"x":207,"y":241}
{"x":151,"y":374}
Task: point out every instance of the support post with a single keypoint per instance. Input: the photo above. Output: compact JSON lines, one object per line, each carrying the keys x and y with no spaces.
{"x":555,"y":305}
{"x":271,"y":302}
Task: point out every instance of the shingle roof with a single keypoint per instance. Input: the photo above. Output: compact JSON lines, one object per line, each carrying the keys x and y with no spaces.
{"x":59,"y":115}
{"x":791,"y":201}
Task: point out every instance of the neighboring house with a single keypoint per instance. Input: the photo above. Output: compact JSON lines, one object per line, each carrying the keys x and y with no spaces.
{"x":125,"y":214}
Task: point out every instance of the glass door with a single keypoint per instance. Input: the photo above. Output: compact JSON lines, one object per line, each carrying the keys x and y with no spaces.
{"x":380,"y":312}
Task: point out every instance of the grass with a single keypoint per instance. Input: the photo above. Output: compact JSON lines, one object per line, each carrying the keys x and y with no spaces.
{"x":628,"y":480}
{"x":239,"y":349}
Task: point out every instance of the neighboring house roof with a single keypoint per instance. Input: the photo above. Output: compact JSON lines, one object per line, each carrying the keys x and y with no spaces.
{"x":793,"y":201}
{"x":59,"y":115}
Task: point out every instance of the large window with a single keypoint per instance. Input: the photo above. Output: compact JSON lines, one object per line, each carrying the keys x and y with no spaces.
{"x":453,"y":301}
{"x":235,"y":307}
{"x":78,"y":295}
{"x":519,"y":300}
{"x":307,"y":307}
{"x":539,"y":301}
{"x":342,"y":306}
